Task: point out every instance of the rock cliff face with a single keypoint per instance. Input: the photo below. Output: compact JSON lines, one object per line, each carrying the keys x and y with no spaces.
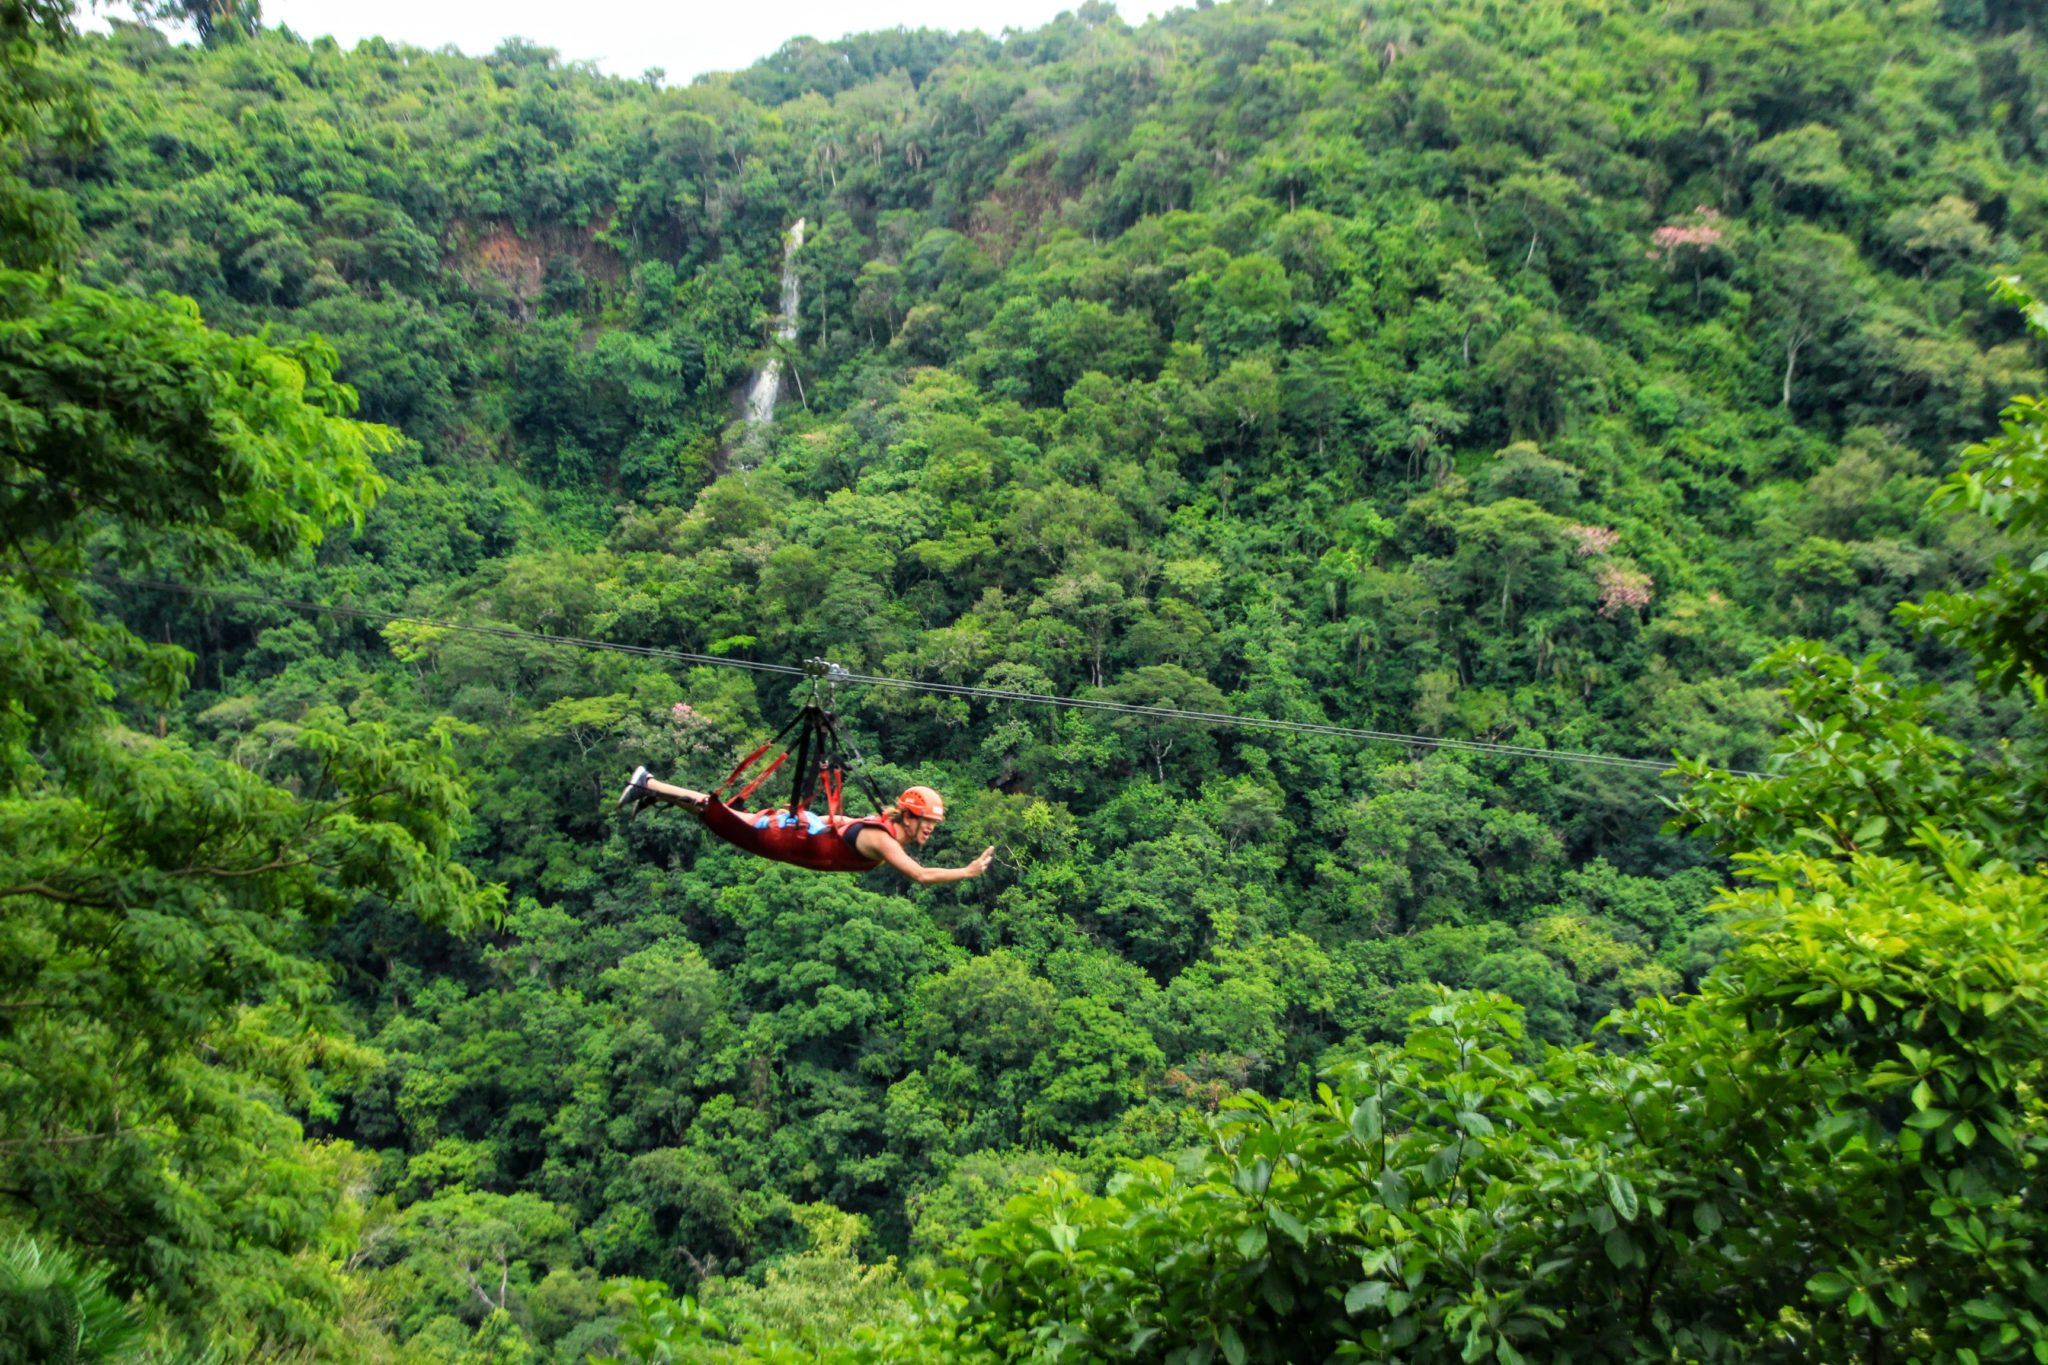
{"x":513,"y":265}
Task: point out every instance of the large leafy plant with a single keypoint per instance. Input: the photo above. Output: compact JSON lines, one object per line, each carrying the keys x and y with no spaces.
{"x":160,"y":1016}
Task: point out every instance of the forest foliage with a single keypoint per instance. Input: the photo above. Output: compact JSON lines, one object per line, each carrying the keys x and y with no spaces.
{"x":1483,"y":373}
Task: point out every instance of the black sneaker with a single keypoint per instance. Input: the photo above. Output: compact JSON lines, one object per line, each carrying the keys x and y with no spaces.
{"x":636,"y":798}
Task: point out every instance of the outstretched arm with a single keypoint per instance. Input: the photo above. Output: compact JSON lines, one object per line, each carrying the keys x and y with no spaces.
{"x":877,"y":844}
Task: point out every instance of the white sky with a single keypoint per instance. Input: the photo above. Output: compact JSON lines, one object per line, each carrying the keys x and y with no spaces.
{"x":685,"y":38}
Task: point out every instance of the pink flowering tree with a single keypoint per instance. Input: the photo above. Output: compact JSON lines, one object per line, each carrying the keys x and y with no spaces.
{"x":1623,"y":588}
{"x":1693,"y":240}
{"x":690,"y":732}
{"x":1592,"y":542}
{"x":671,"y":738}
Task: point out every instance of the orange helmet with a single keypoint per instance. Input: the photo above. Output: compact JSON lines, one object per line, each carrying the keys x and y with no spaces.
{"x":922,"y":801}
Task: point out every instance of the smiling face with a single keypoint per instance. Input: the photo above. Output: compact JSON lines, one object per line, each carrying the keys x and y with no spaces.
{"x":916,"y":828}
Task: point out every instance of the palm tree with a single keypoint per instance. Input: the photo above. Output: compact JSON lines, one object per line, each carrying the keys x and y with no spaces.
{"x":54,"y":1310}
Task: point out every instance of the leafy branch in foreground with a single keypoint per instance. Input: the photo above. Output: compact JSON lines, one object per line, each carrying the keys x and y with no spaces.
{"x":159,"y":1012}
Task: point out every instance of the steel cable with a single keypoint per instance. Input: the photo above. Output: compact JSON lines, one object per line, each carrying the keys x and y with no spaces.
{"x":1221,"y":719}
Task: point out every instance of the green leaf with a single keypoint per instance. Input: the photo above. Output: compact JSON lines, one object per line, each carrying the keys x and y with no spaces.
{"x":1706,"y":1216}
{"x":1288,"y":1224}
{"x":1622,"y":1195}
{"x":1251,"y":1243}
{"x":1365,"y":1294}
{"x":1829,"y":1285}
{"x":1966,"y":1132}
{"x":1620,"y":1248}
{"x":1365,"y":1121}
{"x":1233,"y":1345}
{"x":1275,"y":1289}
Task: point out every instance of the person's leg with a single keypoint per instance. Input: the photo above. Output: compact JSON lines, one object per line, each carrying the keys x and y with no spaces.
{"x":643,"y":790}
{"x":674,"y":795}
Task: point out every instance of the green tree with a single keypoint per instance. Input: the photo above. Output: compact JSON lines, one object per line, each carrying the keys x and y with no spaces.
{"x":41,"y":102}
{"x":1547,"y":375}
{"x":2005,"y":481}
{"x":472,"y":1256}
{"x":162,"y":1012}
{"x":1809,"y":287}
{"x":1170,"y":688}
{"x":1093,"y":1066}
{"x":55,"y":1310}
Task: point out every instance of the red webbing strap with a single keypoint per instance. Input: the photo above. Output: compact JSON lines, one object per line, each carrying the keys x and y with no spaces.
{"x":749,"y":762}
{"x":833,"y":782}
{"x":744,"y":792}
{"x":744,"y":764}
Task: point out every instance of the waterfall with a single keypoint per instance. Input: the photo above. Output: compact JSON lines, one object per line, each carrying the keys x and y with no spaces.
{"x":768,"y":384}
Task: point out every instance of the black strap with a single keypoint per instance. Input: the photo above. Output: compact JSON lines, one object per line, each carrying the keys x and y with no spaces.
{"x":818,"y":737}
{"x":860,"y":772}
{"x":799,"y":795}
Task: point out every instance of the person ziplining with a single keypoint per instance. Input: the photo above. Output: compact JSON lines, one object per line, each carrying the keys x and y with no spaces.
{"x":885,"y":837}
{"x":827,"y":841}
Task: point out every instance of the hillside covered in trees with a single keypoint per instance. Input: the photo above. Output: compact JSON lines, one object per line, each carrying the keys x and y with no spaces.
{"x":1503,"y":375}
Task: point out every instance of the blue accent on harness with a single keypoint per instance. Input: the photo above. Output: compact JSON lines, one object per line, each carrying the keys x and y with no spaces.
{"x":781,"y":819}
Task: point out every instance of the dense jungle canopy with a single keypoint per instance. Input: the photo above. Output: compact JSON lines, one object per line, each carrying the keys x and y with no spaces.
{"x":1597,"y":376}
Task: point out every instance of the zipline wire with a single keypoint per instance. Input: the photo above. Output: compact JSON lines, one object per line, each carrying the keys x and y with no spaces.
{"x":1220,"y":719}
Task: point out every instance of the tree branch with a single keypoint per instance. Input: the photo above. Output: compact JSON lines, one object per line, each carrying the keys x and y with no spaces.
{"x":70,"y":1140}
{"x":469,"y":1273}
{"x":274,"y":865}
{"x":48,"y":892}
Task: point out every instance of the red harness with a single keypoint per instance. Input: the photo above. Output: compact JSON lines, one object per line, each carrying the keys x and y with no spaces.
{"x":794,"y":835}
{"x":787,"y":840}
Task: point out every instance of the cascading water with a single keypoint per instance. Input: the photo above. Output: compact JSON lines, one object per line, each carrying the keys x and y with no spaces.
{"x":768,"y":383}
